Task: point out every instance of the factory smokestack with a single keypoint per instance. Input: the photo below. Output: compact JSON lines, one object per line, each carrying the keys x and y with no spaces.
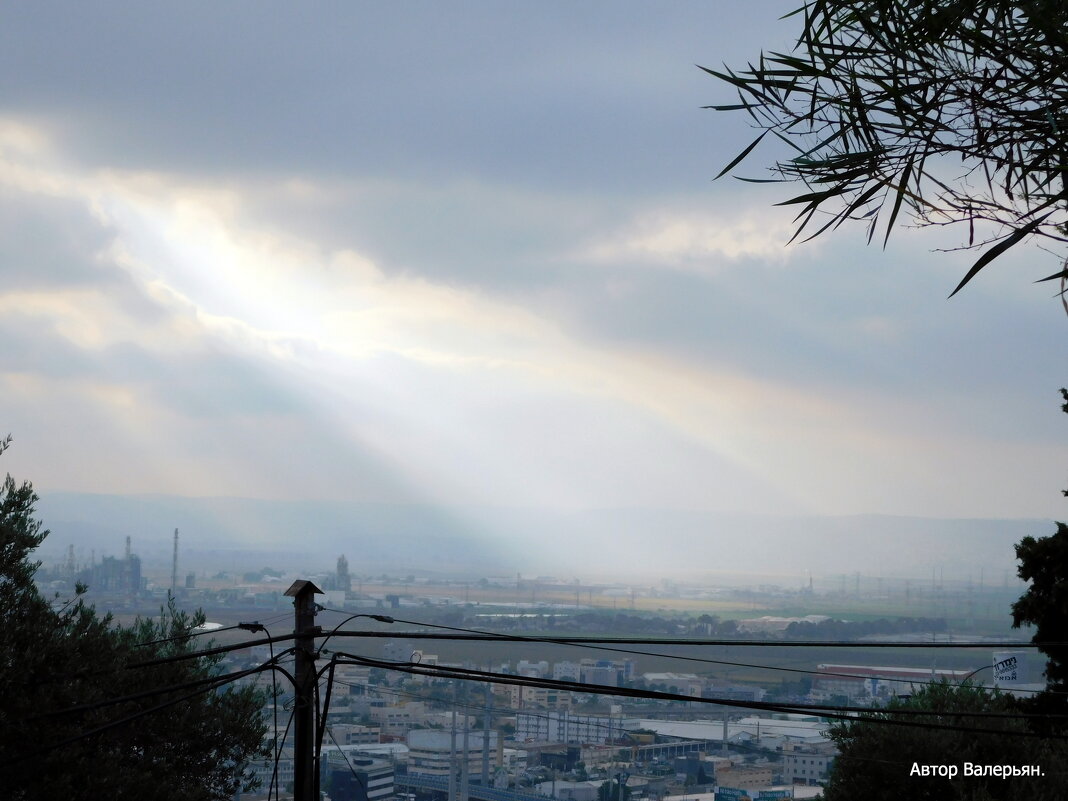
{"x":174,"y":567}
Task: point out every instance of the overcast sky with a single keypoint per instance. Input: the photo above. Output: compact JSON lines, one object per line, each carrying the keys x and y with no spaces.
{"x":471,"y":253}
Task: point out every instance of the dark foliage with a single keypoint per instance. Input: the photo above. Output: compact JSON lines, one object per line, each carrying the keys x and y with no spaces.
{"x":954,"y":109}
{"x":1044,"y":564}
{"x":851,"y":630}
{"x":876,"y":760}
{"x":57,"y":657}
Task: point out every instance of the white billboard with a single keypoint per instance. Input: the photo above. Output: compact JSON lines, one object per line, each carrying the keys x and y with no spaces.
{"x":1010,"y":668}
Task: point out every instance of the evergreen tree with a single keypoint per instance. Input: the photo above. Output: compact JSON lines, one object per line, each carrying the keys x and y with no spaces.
{"x":879,"y":761}
{"x":59,"y":669}
{"x":1044,"y":563}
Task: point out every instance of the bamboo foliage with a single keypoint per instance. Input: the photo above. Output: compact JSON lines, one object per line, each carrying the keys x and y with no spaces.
{"x":955,"y":110}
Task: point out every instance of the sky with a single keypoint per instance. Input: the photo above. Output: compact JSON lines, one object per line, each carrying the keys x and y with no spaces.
{"x":471,"y":254}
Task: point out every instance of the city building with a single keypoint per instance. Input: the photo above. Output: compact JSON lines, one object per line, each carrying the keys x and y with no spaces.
{"x":738,"y":775}
{"x":431,"y":752}
{"x":807,"y":764}
{"x":112,"y":575}
{"x":397,"y":720}
{"x":770,"y":733}
{"x":265,"y":771}
{"x":566,"y":671}
{"x":355,"y":734}
{"x":859,"y":681}
{"x":677,"y":683}
{"x":564,"y":727}
{"x":518,"y":697}
{"x":356,"y":777}
{"x":570,"y":791}
{"x":734,"y":692}
{"x":534,"y":669}
{"x":342,"y":580}
{"x":606,"y":672}
{"x":351,"y":679}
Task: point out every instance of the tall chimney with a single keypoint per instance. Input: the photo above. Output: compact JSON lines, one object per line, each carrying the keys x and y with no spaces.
{"x":174,"y":566}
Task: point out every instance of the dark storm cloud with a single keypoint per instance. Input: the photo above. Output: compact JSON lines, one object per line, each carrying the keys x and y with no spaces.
{"x":593,"y":94}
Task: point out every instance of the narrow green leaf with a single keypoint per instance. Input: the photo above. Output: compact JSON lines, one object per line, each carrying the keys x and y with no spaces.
{"x":740,"y":156}
{"x":1062,"y":274}
{"x":902,"y":188}
{"x":861,"y":199}
{"x":814,"y":198}
{"x":997,"y":250}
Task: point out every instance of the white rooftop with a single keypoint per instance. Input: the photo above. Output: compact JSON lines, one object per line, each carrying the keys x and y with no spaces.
{"x":796,"y":729}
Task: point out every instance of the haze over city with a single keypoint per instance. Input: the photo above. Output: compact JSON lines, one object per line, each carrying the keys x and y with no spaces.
{"x":408,"y":402}
{"x":466,"y":269}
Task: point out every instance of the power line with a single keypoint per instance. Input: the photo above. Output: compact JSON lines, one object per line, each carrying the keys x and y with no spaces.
{"x":827,"y":711}
{"x":601,"y":689}
{"x":224,"y":678}
{"x":254,"y":627}
{"x":479,"y":707}
{"x":634,"y":652}
{"x":589,"y":723}
{"x":675,"y":641}
{"x":565,"y":639}
{"x":478,"y":634}
{"x":345,"y":756}
{"x":460,"y":634}
{"x":278,"y":754}
{"x":495,"y":709}
{"x":195,"y":633}
{"x":124,"y":720}
{"x":592,"y":642}
{"x":483,"y":637}
{"x":221,"y":649}
{"x":379,"y":618}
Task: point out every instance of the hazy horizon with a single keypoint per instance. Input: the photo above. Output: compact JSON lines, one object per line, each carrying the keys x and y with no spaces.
{"x":607,"y":542}
{"x":469,"y":259}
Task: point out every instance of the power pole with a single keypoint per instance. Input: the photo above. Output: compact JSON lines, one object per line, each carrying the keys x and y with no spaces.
{"x":486,"y":736}
{"x":724,"y":750}
{"x":304,"y":778}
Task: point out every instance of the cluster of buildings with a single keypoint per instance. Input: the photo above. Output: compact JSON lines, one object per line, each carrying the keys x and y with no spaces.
{"x":111,"y":575}
{"x":655,"y":760}
{"x":413,"y":737}
{"x":415,"y":740}
{"x":396,"y":736}
{"x":858,"y":682}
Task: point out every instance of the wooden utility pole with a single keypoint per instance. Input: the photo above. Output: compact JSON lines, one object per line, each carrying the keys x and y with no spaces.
{"x":304,"y":778}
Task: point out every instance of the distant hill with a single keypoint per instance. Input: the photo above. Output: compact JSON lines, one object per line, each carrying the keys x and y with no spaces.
{"x":377,"y":537}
